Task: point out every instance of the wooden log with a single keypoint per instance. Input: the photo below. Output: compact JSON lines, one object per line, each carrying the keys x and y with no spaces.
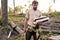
{"x":13,"y":25}
{"x":57,"y":21}
{"x":55,"y":31}
{"x":54,"y":38}
{"x":19,"y":30}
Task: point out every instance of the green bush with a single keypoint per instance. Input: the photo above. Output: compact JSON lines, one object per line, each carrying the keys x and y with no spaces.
{"x":56,"y":15}
{"x":0,"y":20}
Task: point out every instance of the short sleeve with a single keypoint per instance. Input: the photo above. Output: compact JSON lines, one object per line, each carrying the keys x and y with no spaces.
{"x":40,"y":13}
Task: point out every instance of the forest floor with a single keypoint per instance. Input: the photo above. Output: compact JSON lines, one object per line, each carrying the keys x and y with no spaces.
{"x":4,"y":31}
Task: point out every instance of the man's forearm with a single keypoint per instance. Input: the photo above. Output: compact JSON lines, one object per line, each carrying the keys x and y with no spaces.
{"x":25,"y":24}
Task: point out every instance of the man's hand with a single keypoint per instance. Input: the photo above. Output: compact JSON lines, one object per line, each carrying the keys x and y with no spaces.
{"x":24,"y":30}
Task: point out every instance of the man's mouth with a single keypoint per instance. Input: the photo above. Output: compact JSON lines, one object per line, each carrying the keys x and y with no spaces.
{"x":35,"y":8}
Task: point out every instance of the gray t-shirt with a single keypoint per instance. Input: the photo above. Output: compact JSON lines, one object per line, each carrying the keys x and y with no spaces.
{"x":32,"y":15}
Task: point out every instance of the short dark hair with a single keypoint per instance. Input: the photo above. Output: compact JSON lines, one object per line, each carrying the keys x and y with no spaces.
{"x":34,"y":2}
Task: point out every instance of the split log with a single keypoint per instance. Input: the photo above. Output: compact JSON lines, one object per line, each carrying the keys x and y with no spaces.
{"x":14,"y":26}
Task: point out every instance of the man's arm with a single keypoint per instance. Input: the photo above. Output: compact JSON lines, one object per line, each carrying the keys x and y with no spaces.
{"x":25,"y":22}
{"x":40,"y":16}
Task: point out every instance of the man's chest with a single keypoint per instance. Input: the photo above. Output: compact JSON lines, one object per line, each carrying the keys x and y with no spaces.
{"x":34,"y":14}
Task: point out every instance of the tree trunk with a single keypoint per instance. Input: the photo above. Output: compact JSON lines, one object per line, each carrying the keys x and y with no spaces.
{"x":14,"y":6}
{"x":4,"y":12}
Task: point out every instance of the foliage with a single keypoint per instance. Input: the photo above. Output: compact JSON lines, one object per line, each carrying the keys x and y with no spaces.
{"x":18,"y":9}
{"x":45,"y":35}
{"x":55,"y":15}
{"x":20,"y":38}
{"x":11,"y":11}
{"x":0,"y":11}
{"x":10,"y":38}
{"x":0,"y":19}
{"x":18,"y":19}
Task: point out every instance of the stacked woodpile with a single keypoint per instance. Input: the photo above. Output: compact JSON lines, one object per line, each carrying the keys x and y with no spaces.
{"x":54,"y":38}
{"x":53,"y":26}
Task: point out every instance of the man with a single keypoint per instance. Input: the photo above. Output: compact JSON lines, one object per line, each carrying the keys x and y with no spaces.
{"x":29,"y":19}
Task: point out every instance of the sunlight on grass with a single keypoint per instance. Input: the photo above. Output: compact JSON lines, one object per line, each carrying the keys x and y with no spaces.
{"x":15,"y":18}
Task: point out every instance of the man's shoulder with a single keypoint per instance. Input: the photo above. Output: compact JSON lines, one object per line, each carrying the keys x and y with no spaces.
{"x":38,"y":10}
{"x":30,"y":10}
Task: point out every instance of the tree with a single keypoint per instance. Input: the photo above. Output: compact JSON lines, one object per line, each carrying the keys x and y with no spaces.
{"x":4,"y":12}
{"x":54,"y":2}
{"x":49,"y":10}
{"x":11,"y":11}
{"x":0,"y":11}
{"x":18,"y":9}
{"x":14,"y":6}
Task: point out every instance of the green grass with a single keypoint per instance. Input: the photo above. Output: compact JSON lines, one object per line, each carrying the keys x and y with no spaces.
{"x":10,"y":18}
{"x":20,"y":38}
{"x":45,"y":36}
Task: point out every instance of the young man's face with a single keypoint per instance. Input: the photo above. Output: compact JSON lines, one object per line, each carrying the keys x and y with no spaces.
{"x":35,"y":6}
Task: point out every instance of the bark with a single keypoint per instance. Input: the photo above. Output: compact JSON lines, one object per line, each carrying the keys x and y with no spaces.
{"x":4,"y":12}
